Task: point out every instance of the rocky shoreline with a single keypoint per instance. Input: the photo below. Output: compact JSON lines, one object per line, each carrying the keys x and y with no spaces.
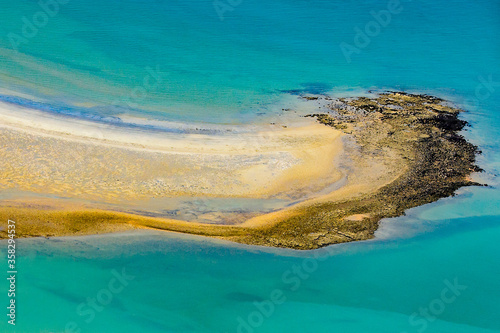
{"x":421,"y":129}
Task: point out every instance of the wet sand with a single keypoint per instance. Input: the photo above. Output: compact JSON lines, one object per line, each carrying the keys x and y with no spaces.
{"x":78,"y":159}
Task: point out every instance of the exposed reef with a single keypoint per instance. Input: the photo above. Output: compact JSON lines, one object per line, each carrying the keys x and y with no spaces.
{"x":423,"y":130}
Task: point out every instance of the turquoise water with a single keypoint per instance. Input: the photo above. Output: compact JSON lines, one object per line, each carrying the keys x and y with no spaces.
{"x":93,"y":55}
{"x":97,"y":54}
{"x":183,"y":284}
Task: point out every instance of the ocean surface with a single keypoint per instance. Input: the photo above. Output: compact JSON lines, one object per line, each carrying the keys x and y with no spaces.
{"x":236,"y":62}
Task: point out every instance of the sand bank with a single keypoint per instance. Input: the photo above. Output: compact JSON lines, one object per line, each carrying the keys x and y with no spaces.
{"x":125,"y":166}
{"x":358,"y":161}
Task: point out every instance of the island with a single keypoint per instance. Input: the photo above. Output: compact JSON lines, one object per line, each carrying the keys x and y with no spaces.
{"x":364,"y":159}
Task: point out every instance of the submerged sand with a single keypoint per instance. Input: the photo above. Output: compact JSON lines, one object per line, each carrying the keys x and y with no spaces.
{"x":78,"y":159}
{"x":332,"y":176}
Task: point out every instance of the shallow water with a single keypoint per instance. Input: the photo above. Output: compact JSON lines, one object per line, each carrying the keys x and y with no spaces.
{"x":93,"y":54}
{"x":184,"y":284}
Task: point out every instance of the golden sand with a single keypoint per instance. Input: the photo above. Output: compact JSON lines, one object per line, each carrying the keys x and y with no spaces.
{"x":75,"y":160}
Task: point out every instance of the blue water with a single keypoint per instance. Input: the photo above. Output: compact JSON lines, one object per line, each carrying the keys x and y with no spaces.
{"x":98,"y":53}
{"x":93,"y":57}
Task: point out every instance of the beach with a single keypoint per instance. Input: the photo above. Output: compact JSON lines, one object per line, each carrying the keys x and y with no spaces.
{"x":112,"y":164}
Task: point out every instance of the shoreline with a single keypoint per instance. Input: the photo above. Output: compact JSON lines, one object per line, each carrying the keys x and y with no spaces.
{"x":398,"y":151}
